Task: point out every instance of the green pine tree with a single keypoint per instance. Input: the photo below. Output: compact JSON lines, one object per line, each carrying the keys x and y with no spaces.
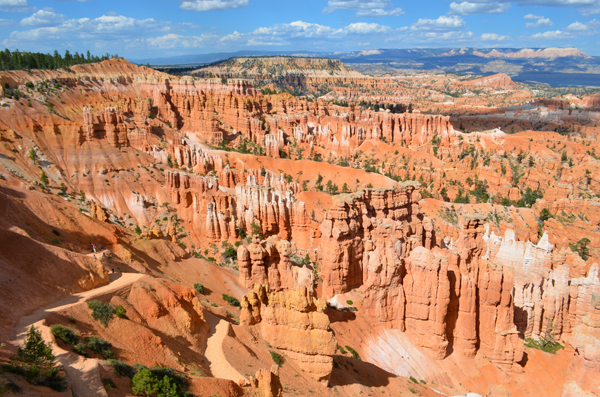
{"x":144,"y":382}
{"x":35,"y":356}
{"x":44,"y":179}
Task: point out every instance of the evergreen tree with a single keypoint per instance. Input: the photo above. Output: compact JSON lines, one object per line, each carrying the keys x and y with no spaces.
{"x":44,"y":179}
{"x":144,"y":382}
{"x":35,"y":356}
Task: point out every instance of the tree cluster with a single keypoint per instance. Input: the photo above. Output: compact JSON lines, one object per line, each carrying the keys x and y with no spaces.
{"x":21,"y":60}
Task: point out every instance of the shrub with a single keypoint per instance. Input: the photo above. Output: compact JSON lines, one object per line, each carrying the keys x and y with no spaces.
{"x":144,"y":382}
{"x":199,"y":288}
{"x":231,"y":300}
{"x":544,"y":345}
{"x":349,"y":302}
{"x":353,"y":352}
{"x":101,"y":346}
{"x":80,"y":349}
{"x":342,"y":350}
{"x":108,"y":384}
{"x":138,"y":230}
{"x":102,"y":312}
{"x":121,"y":368}
{"x":120,"y":311}
{"x":64,"y":333}
{"x":72,"y":319}
{"x":413,"y":379}
{"x":276,"y":358}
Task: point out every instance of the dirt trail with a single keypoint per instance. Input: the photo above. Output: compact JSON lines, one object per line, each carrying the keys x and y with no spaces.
{"x":83,"y":373}
{"x":219,"y":366}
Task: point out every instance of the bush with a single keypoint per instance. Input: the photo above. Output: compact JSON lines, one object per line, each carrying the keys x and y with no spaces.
{"x":64,"y":333}
{"x":80,"y":349}
{"x":121,"y":368}
{"x":199,"y":288}
{"x":342,"y":350}
{"x":231,"y":300}
{"x":543,"y":344}
{"x":276,"y":358}
{"x":353,"y":352}
{"x":120,"y":311}
{"x":349,"y":302}
{"x":101,"y":346}
{"x":108,"y":384}
{"x":413,"y":379}
{"x":102,"y":312}
{"x":72,"y":319}
{"x":148,"y":382}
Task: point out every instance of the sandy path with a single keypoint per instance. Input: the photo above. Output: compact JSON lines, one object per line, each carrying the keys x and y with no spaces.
{"x":83,"y":373}
{"x":218,"y":364}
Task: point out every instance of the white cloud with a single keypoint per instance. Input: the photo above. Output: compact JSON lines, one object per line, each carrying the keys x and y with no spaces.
{"x":540,"y":23}
{"x":16,"y":6}
{"x":552,"y":35}
{"x":494,"y":37}
{"x":366,"y":28}
{"x":43,"y":18}
{"x":368,"y":8}
{"x":468,"y":8}
{"x":532,"y":17}
{"x":441,"y":24}
{"x":172,"y":40}
{"x":586,"y":7}
{"x":7,"y":23}
{"x":212,"y":5}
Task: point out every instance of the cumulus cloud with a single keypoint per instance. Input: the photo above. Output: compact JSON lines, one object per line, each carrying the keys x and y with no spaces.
{"x":16,"y":6}
{"x":586,"y":7}
{"x":468,"y":8}
{"x":540,"y":23}
{"x":366,"y":28}
{"x":494,"y":37}
{"x":441,"y":24}
{"x":43,"y":18}
{"x":552,"y":35}
{"x":368,"y":8}
{"x":213,"y":5}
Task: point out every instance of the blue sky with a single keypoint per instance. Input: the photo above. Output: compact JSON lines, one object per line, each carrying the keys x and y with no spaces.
{"x":160,"y":28}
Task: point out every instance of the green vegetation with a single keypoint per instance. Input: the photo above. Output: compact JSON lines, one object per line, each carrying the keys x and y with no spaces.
{"x":66,"y":334}
{"x":199,"y":288}
{"x":581,"y":247}
{"x":349,"y":302}
{"x":120,"y":312}
{"x":277,"y":359}
{"x":413,"y":379}
{"x":20,"y":60}
{"x":353,"y":352}
{"x":101,"y":346}
{"x":137,"y":229}
{"x":80,"y":349}
{"x":162,"y":381}
{"x":231,"y":300}
{"x":121,"y":368}
{"x":34,"y":360}
{"x":546,"y":342}
{"x":102,"y":312}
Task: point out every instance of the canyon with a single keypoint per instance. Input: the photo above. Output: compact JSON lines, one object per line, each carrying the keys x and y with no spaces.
{"x":368,"y":238}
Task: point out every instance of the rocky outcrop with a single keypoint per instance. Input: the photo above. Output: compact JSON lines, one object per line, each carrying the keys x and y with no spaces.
{"x":355,"y":219}
{"x":270,"y":263}
{"x":293,"y":322}
{"x":266,"y":383}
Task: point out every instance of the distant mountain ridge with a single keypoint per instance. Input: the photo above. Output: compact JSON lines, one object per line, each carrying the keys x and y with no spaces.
{"x":555,"y":66}
{"x":415,"y":53}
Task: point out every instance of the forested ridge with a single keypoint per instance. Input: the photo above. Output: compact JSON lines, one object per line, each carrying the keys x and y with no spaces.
{"x":20,"y":60}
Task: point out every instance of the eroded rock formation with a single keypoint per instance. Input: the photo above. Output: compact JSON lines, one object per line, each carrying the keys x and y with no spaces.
{"x":294,"y":322}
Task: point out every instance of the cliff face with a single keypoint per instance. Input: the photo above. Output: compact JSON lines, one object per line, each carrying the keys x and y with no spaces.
{"x":293,"y":321}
